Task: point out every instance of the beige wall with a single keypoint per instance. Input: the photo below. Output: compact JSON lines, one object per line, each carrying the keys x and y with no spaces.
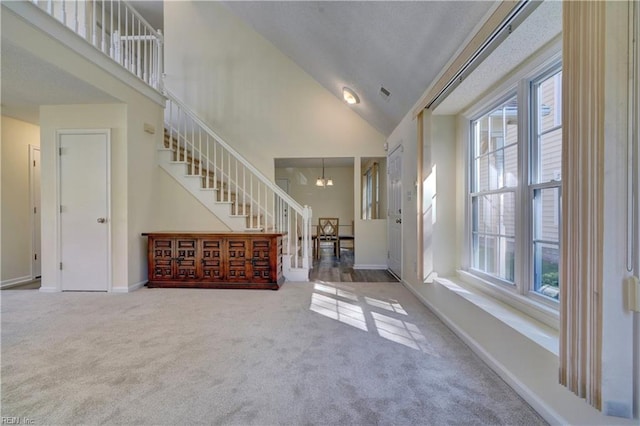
{"x":263,"y":104}
{"x":443,"y":154}
{"x":332,"y":201}
{"x":620,"y":335}
{"x":174,"y":209}
{"x":53,"y":118}
{"x":370,"y":244}
{"x":16,"y":214}
{"x":255,"y":97}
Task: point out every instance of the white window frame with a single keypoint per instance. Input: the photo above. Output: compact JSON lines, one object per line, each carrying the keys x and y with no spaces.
{"x":471,"y":170}
{"x":533,"y":186}
{"x":371,"y":193}
{"x":516,"y":295}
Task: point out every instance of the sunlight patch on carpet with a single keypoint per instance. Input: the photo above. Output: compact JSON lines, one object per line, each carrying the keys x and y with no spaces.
{"x":339,"y":310}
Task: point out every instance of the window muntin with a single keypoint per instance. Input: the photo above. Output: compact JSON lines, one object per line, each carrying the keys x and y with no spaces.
{"x":494,"y":180}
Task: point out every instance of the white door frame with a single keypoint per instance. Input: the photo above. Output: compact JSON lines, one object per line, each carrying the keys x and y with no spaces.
{"x":400,"y":148}
{"x":59,"y":134}
{"x":33,"y":196}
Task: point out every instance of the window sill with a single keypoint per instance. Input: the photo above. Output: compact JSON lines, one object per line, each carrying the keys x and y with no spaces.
{"x":543,"y":312}
{"x":535,"y":330}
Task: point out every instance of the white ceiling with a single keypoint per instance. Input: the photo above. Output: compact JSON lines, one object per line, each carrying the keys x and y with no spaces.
{"x":398,"y":45}
{"x":28,"y":82}
{"x":541,"y":27}
{"x":151,"y":10}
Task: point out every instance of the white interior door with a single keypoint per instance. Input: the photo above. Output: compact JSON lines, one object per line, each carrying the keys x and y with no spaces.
{"x":394,"y":187}
{"x":84,"y":210}
{"x":34,"y":160}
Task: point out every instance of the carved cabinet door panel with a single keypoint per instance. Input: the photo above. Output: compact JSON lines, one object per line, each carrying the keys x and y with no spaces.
{"x":212,"y":254}
{"x":261,"y":260}
{"x":161,"y":253}
{"x":238,"y":262}
{"x":186,"y":259}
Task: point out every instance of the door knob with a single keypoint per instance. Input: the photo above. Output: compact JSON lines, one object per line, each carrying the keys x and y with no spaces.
{"x":101,"y":220}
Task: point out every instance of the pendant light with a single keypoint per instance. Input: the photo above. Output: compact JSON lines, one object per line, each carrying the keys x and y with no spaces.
{"x":321,"y":181}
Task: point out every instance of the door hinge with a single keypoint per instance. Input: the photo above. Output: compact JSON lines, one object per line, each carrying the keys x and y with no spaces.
{"x":34,"y":210}
{"x":35,"y":256}
{"x":34,"y":163}
{"x":59,"y":151}
{"x":60,"y":208}
{"x":388,"y":255}
{"x":61,"y":266}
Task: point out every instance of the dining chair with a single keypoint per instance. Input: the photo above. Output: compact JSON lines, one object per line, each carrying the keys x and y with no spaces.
{"x":328,"y":231}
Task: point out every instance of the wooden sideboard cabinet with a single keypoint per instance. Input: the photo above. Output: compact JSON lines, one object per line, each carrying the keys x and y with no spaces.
{"x":214,"y":260}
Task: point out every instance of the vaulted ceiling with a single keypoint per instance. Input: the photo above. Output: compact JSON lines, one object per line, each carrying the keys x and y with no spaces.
{"x":400,"y":46}
{"x":396,"y":45}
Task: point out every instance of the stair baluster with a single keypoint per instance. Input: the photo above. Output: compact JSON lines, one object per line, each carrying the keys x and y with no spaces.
{"x":265,"y":208}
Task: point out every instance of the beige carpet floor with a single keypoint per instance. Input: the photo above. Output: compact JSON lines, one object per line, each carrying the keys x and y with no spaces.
{"x":308,"y":354}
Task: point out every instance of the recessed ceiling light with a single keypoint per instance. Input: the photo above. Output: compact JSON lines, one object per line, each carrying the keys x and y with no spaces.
{"x":350,"y":96}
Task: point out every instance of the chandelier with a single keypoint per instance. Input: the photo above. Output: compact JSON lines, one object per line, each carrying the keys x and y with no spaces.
{"x":322,"y":181}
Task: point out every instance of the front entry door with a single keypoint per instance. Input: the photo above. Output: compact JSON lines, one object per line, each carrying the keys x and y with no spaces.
{"x":84,"y":210}
{"x":394,"y":164}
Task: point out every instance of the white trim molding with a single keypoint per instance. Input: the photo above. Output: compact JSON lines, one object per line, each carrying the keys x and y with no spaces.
{"x":15,"y":281}
{"x":130,"y":289}
{"x":369,"y":266}
{"x":533,"y":399}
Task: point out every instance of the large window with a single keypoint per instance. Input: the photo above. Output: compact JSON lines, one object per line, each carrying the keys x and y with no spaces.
{"x":515,"y":188}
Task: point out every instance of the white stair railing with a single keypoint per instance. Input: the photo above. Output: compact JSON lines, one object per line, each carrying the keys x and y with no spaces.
{"x":116,"y":29}
{"x":235,"y":181}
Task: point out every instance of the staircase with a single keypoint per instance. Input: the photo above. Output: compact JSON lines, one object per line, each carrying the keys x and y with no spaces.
{"x":231,"y":188}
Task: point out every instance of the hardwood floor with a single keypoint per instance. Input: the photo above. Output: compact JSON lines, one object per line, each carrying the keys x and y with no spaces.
{"x":330,"y":268}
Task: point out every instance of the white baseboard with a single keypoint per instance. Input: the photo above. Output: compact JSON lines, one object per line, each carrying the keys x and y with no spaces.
{"x":549,"y":414}
{"x":130,"y":289}
{"x":48,"y":290}
{"x":15,"y":281}
{"x":378,"y":267}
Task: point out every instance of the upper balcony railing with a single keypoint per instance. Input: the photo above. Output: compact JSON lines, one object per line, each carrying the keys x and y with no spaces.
{"x":116,"y":29}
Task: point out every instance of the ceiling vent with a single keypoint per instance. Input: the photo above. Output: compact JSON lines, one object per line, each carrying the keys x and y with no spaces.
{"x":384,"y":93}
